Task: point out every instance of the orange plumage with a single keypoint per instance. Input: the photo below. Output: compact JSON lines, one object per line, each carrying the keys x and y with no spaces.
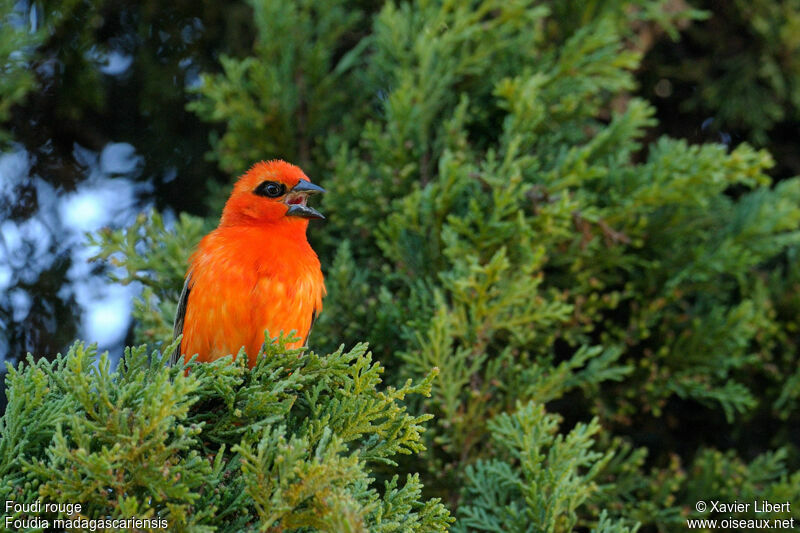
{"x":256,"y":271}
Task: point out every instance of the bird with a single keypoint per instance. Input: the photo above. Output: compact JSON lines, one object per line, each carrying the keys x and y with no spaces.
{"x":254,"y":273}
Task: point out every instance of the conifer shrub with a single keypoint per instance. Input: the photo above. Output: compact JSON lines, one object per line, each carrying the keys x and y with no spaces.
{"x":733,"y":77}
{"x":289,"y":445}
{"x":600,"y":322}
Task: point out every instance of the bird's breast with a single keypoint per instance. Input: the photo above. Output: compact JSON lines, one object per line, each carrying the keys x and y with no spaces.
{"x":246,"y":283}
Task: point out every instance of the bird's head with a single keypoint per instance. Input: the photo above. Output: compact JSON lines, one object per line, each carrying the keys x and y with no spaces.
{"x":271,"y":191}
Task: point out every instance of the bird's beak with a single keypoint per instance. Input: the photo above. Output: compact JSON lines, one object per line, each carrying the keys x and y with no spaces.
{"x":296,"y":200}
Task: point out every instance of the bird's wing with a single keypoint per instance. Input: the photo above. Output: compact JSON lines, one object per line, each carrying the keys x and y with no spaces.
{"x":310,"y":327}
{"x":180,"y":314}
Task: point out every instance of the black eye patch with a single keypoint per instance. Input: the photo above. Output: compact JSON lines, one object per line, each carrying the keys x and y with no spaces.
{"x":270,"y":189}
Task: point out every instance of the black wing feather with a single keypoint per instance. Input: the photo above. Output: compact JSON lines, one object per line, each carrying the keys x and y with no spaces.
{"x":313,"y":319}
{"x":180,"y":314}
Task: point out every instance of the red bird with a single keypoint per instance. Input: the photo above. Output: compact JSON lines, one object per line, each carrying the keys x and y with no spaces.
{"x":256,"y":271}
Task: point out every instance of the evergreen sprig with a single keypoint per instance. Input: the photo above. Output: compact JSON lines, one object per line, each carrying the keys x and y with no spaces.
{"x":287,"y":445}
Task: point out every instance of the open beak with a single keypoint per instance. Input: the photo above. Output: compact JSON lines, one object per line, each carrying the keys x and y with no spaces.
{"x":296,"y":200}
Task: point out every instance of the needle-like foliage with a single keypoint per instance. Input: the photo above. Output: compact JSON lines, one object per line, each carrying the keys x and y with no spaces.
{"x":288,"y":445}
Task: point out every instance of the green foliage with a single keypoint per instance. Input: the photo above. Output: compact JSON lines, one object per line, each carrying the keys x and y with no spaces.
{"x":737,"y":74}
{"x":287,"y":95}
{"x":757,"y":89}
{"x":160,"y":271}
{"x":288,"y":445}
{"x":540,"y":479}
{"x":765,"y":478}
{"x":500,"y":219}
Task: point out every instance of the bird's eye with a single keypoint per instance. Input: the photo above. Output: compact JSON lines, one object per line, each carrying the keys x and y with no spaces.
{"x":270,"y":189}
